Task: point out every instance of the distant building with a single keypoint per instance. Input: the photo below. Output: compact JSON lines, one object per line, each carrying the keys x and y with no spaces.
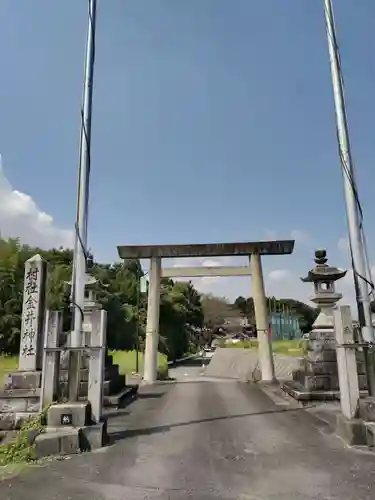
{"x":236,"y":321}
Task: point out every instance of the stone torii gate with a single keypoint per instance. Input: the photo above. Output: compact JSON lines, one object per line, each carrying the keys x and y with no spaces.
{"x":254,"y":250}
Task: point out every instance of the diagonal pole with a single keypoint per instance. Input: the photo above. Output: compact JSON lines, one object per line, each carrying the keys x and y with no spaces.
{"x":353,"y":208}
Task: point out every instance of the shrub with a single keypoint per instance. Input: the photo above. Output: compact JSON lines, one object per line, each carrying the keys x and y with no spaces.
{"x":22,"y":448}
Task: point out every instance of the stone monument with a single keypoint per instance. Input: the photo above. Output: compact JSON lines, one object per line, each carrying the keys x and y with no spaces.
{"x":20,"y":398}
{"x":317,"y":378}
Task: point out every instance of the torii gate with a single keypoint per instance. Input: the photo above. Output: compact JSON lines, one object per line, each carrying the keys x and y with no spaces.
{"x":253,"y":250}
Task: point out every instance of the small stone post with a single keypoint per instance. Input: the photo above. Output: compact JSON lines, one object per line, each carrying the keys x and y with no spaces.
{"x":346,"y":363}
{"x":97,"y":363}
{"x":51,"y":360}
{"x":31,"y":346}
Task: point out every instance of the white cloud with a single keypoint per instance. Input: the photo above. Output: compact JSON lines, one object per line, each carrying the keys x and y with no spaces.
{"x":211,"y":263}
{"x":270,"y":234}
{"x":21,"y":217}
{"x":207,"y":284}
{"x":279,"y":275}
{"x":301,"y":237}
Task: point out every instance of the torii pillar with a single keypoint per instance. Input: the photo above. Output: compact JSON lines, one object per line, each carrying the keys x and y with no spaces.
{"x":152,"y":325}
{"x":261,"y":319}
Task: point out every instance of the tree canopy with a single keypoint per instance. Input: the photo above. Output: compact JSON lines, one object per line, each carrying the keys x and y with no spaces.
{"x":119,"y":292}
{"x":305,"y":314}
{"x":218,"y":309}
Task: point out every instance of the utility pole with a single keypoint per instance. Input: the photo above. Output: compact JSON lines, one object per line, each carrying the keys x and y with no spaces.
{"x":138,"y":321}
{"x":80,"y":248}
{"x":353,"y":212}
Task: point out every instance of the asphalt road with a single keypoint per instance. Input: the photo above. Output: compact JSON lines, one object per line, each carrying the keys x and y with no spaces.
{"x":206,"y":440}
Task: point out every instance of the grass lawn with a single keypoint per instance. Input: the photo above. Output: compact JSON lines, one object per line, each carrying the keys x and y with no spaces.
{"x":7,"y":364}
{"x":295,"y":348}
{"x":127,"y":361}
{"x":289,"y":347}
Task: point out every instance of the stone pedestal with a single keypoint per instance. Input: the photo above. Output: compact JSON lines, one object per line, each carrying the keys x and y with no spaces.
{"x":71,"y":428}
{"x":20,"y":397}
{"x":317,"y":378}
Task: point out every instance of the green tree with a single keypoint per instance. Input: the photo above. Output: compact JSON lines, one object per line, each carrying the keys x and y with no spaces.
{"x":216,"y":310}
{"x":118,"y":289}
{"x":180,"y":316}
{"x":305,"y":314}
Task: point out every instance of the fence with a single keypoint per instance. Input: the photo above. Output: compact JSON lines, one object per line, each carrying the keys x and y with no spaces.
{"x":284,"y":326}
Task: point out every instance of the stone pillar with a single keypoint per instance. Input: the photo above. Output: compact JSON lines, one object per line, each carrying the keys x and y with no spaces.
{"x":346,"y":363}
{"x":261,"y":318}
{"x":51,"y":362}
{"x":152,"y":326}
{"x":97,"y":363}
{"x":34,"y":292}
{"x":21,"y":396}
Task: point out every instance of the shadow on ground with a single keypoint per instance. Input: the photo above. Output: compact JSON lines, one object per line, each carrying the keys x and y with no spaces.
{"x":128,"y":433}
{"x":192,"y":362}
{"x":150,"y":395}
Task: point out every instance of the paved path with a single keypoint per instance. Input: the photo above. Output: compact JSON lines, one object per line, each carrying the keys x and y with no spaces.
{"x":206,"y":440}
{"x":243,"y":364}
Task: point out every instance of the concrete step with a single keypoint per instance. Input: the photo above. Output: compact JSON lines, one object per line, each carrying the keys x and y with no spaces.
{"x":127,"y":394}
{"x":110,"y":372}
{"x":71,"y":440}
{"x":19,"y":400}
{"x":23,"y":380}
{"x":20,"y":393}
{"x":314,"y":382}
{"x":79,"y":412}
{"x":109,"y":387}
{"x":10,"y":421}
{"x":297,"y":391}
{"x":57,"y":442}
{"x":367,"y":409}
{"x":84,"y":361}
{"x":370,"y":434}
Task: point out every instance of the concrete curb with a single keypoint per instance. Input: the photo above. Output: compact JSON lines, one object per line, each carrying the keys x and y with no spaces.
{"x":181,"y":360}
{"x":126,"y":396}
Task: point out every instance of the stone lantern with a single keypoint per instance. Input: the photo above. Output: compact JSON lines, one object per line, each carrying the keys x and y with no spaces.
{"x":114,"y":382}
{"x":317,"y":378}
{"x":90,"y":302}
{"x":325,"y":296}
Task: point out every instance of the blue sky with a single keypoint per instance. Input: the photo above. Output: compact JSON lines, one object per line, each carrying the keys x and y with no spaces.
{"x":213,"y":120}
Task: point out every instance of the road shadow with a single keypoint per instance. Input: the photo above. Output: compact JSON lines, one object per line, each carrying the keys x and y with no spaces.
{"x":150,"y":395}
{"x":192,"y":362}
{"x":115,"y":412}
{"x":160,"y":429}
